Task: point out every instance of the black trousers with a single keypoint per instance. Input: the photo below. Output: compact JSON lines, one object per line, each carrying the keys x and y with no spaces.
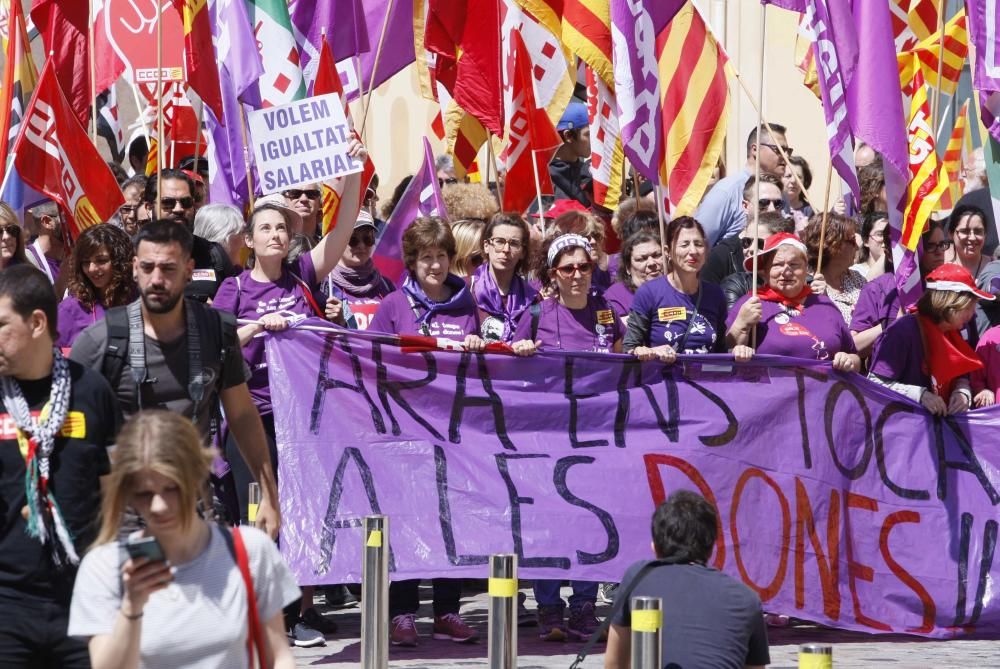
{"x":404,"y":596}
{"x":33,"y":636}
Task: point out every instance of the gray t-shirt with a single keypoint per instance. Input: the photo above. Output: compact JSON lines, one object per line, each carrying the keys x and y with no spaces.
{"x":709,"y":618}
{"x":200,"y":620}
{"x":167,"y":373}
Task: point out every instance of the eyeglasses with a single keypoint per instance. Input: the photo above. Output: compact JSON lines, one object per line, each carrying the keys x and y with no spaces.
{"x":877,"y":235}
{"x":170,"y":203}
{"x":748,"y":242}
{"x":128,"y":208}
{"x":940,"y":246}
{"x":567,"y":271}
{"x":764,"y":203}
{"x":358,"y":240}
{"x":774,"y":147}
{"x":500,"y":242}
{"x":312,"y":194}
{"x":970,"y":232}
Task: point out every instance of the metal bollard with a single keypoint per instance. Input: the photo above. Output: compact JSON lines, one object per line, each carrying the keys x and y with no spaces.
{"x":253,"y":502}
{"x":815,"y":656}
{"x":375,"y":594}
{"x":503,"y":611}
{"x":647,"y":632}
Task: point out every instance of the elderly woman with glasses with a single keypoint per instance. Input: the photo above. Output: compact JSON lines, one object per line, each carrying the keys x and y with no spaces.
{"x":499,"y":285}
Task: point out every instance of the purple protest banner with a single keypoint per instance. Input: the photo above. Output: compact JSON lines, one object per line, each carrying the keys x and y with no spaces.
{"x":839,"y":501}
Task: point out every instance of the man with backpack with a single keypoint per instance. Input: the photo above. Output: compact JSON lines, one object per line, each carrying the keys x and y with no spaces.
{"x":164,"y":351}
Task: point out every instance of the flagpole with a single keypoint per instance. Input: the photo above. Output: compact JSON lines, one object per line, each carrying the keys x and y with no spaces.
{"x":378,"y":57}
{"x":93,"y":70}
{"x":826,"y":212}
{"x":499,"y":192}
{"x":246,"y":156}
{"x":160,"y":148}
{"x":8,"y":173}
{"x":142,"y":116}
{"x":197,"y":137}
{"x":760,"y":122}
{"x":942,"y":6}
{"x":538,"y":183}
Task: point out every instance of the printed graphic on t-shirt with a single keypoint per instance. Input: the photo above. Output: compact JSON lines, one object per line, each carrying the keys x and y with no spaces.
{"x":364,"y":312}
{"x":668,"y":314}
{"x":799,"y":330}
{"x":492,"y":329}
{"x":274,"y":304}
{"x":605,"y":316}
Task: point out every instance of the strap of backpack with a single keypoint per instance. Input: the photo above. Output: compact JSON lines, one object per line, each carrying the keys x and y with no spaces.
{"x":620,"y":599}
{"x":255,"y":633}
{"x":536,"y":315}
{"x":116,"y":347}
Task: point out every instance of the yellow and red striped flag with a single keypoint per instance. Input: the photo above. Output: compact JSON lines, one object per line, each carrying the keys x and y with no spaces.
{"x":926,"y":186}
{"x":805,"y":57}
{"x":694,"y":76}
{"x":913,"y":21}
{"x":951,"y":165}
{"x":925,"y":54}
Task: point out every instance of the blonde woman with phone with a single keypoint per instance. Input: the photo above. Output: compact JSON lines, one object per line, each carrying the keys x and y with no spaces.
{"x":183,"y":592}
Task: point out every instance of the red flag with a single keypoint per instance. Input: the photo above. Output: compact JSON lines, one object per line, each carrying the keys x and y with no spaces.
{"x":199,"y":54}
{"x":465,"y":35}
{"x":328,"y":81}
{"x":54,"y":155}
{"x":532,"y":139}
{"x":64,"y":27}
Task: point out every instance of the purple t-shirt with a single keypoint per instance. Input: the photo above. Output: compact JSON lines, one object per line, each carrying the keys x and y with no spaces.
{"x":249,"y":299}
{"x":899,"y":353}
{"x":48,"y":265}
{"x":878,"y":304}
{"x":817,"y":332}
{"x":593,"y":328}
{"x":669,"y":310}
{"x":600,"y":281}
{"x":620,"y":298}
{"x":74,"y":318}
{"x":396,"y":316}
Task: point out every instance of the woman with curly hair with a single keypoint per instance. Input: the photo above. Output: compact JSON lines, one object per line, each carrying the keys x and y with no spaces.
{"x":100,"y":278}
{"x":840,"y":247}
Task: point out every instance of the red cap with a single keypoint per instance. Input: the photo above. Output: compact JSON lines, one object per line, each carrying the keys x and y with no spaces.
{"x":560,"y":207}
{"x":194,"y":176}
{"x":956,"y":279}
{"x":771,"y":245}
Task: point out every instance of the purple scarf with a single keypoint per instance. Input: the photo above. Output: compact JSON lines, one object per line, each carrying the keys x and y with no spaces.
{"x":362,"y":282}
{"x":460,"y":300}
{"x":488,"y":297}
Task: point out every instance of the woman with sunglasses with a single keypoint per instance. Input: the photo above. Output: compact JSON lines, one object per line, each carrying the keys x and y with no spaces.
{"x":878,"y":305}
{"x":468,"y":235}
{"x":306,"y":201}
{"x":11,"y":238}
{"x":573,"y":318}
{"x":356,"y":276}
{"x":100,"y":269}
{"x":587,"y":225}
{"x":641,"y":260}
{"x":967,"y":227}
{"x":678,"y":312}
{"x":499,"y":285}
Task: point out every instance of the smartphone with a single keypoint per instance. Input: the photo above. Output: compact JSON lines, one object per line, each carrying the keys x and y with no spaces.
{"x":147,"y":547}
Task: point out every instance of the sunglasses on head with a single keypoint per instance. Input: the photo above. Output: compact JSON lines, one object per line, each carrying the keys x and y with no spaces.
{"x":764,"y":203}
{"x":567,"y":271}
{"x":170,"y":203}
{"x":366,"y":239}
{"x":748,"y":242}
{"x":295,"y":194}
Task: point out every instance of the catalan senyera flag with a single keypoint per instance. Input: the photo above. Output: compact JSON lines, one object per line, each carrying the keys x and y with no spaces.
{"x":926,"y":186}
{"x":805,"y":58}
{"x":54,"y":155}
{"x":199,"y":54}
{"x":19,"y":79}
{"x":913,"y":21}
{"x":925,"y":56}
{"x":951,"y":164}
{"x":694,"y":76}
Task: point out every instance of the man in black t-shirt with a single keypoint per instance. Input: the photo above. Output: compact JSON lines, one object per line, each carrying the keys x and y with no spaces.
{"x":709,"y":619}
{"x":58,"y":419}
{"x":211,"y":262}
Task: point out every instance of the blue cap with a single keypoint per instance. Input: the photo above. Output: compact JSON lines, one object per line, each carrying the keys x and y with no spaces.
{"x":574,"y":117}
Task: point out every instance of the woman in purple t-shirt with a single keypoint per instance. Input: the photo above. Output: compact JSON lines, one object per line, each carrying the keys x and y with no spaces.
{"x":789,"y":318}
{"x":499,"y":285}
{"x":641,"y":260}
{"x":363,"y":285}
{"x":100,"y":278}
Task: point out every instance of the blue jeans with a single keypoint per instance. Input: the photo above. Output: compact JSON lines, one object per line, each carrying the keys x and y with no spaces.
{"x":547,"y":593}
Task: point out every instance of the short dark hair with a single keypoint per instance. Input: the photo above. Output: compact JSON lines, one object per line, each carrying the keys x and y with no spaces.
{"x":514,"y":220}
{"x":29,"y":289}
{"x":639,"y":220}
{"x":164,"y":231}
{"x":628,"y":248}
{"x":149,"y":194}
{"x":675,"y":226}
{"x":802,"y":164}
{"x":773,"y":222}
{"x":426,"y":233}
{"x":765,"y":178}
{"x":776,"y":128}
{"x":685,"y":527}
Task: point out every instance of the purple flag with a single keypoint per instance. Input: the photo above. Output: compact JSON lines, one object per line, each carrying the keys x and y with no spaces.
{"x":397,"y":47}
{"x":635,"y":27}
{"x":984,"y":26}
{"x":343,"y":23}
{"x":838,"y":501}
{"x":421,"y":198}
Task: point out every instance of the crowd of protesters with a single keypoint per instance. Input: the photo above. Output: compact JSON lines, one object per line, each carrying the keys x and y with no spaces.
{"x":166,"y":305}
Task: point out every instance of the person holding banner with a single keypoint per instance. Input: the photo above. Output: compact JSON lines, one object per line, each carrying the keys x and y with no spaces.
{"x":587,"y":225}
{"x":923,"y":355}
{"x":678,"y":312}
{"x":641,"y":260}
{"x":499,"y":285}
{"x":356,"y":276}
{"x":789,"y":318}
{"x":432,"y":302}
{"x":189,"y":583}
{"x":100,"y":271}
{"x":574,"y":318}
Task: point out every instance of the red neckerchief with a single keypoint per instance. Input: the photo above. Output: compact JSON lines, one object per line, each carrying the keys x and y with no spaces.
{"x":946,"y":356}
{"x":771,"y":295}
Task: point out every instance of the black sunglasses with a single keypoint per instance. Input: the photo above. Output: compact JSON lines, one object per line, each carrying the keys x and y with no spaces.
{"x":170,"y":203}
{"x":367,"y":240}
{"x":312,"y":194}
{"x":748,"y":242}
{"x":764,"y":203}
